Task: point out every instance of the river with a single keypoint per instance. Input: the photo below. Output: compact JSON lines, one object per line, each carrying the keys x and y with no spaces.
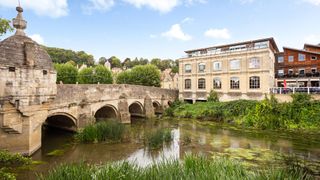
{"x":255,"y":148}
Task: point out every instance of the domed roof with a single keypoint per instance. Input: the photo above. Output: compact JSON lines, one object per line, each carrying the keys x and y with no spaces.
{"x":20,"y":50}
{"x":13,"y":52}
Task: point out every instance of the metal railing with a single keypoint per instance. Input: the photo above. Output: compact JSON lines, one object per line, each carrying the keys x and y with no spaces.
{"x":293,"y":90}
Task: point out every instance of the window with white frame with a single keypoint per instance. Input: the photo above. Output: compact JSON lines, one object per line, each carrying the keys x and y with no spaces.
{"x":235,"y":64}
{"x":217,"y":83}
{"x":301,"y":71}
{"x":217,"y":66}
{"x":254,"y":82}
{"x":187,"y":84}
{"x":280,"y":59}
{"x":202,"y":83}
{"x":290,"y":58}
{"x":254,"y":63}
{"x":280,"y":72}
{"x":187,"y":68}
{"x":234,"y":83}
{"x":314,"y":70}
{"x":202,"y":67}
{"x":302,"y":57}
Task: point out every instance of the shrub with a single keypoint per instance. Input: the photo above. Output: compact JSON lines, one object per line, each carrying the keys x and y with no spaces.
{"x":213,"y":96}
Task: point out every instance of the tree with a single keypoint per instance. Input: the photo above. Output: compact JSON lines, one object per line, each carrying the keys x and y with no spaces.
{"x":124,"y":78}
{"x":85,"y":76}
{"x":59,"y":55}
{"x":72,"y":63}
{"x":5,"y":26}
{"x":102,"y":75}
{"x":115,"y":62}
{"x":127,"y":63}
{"x":66,"y":73}
{"x":99,"y":74}
{"x":102,"y":60}
{"x":146,"y":75}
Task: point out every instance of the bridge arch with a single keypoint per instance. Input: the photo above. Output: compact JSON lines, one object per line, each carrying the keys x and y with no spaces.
{"x":62,"y":121}
{"x":157,"y":107}
{"x":136,"y":109}
{"x":106,"y":112}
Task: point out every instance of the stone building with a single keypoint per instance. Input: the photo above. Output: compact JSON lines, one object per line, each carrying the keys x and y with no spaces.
{"x":169,"y":80}
{"x":27,"y":85}
{"x":242,"y":70}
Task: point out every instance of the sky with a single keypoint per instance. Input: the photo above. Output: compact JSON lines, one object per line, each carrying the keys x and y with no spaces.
{"x":164,"y":28}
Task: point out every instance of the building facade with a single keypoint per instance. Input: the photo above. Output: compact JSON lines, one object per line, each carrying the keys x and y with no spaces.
{"x":236,"y":71}
{"x":169,"y":80}
{"x":298,"y":67}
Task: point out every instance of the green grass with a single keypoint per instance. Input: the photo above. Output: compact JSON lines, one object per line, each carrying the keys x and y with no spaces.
{"x":302,"y":113}
{"x":155,"y":139}
{"x":192,"y":167}
{"x":110,"y":130}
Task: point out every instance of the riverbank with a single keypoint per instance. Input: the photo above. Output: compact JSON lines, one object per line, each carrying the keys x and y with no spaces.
{"x":302,"y":113}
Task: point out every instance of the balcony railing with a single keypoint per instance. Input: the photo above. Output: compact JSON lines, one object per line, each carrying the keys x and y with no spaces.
{"x":306,"y":75}
{"x":293,"y":90}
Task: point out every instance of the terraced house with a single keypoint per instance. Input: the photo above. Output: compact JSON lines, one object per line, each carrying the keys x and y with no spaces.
{"x":242,"y":70}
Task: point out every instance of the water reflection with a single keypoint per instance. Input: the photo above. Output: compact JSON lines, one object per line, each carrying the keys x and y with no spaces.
{"x":202,"y":139}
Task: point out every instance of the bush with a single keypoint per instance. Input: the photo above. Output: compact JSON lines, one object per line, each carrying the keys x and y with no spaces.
{"x":145,"y":75}
{"x":99,"y":74}
{"x":66,"y":73}
{"x":213,"y":96}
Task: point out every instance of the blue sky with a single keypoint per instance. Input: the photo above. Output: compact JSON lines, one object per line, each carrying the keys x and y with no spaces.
{"x":165,"y":28}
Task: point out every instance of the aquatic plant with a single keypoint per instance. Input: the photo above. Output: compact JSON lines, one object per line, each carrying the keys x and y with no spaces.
{"x":109,"y":130}
{"x":155,"y":139}
{"x":192,"y":167}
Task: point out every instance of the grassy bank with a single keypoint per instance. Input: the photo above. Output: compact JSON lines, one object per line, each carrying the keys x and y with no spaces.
{"x":192,"y":167}
{"x":9,"y":162}
{"x":302,"y":113}
{"x":110,"y":131}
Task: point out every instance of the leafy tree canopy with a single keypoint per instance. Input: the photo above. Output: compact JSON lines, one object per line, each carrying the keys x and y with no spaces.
{"x":61,"y":56}
{"x":99,"y":74}
{"x":5,"y":26}
{"x":66,"y":73}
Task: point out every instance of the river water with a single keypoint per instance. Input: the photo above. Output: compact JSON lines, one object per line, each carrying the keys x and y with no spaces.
{"x":255,"y":148}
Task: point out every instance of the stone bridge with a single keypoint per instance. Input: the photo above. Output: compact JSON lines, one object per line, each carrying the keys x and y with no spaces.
{"x":76,"y":106}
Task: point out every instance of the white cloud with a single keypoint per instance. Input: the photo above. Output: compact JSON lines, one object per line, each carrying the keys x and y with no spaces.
{"x":38,"y":38}
{"x":51,"y":8}
{"x":153,"y":36}
{"x":163,"y":6}
{"x":100,"y":5}
{"x":314,"y":2}
{"x":187,"y":20}
{"x":312,"y":39}
{"x":218,"y":33}
{"x":176,"y":32}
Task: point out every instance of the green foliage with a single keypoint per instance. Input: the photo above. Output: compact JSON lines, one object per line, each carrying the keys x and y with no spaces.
{"x":8,"y":159}
{"x":301,"y":113}
{"x":102,"y":60}
{"x":165,"y":64}
{"x":72,"y":63}
{"x":155,"y":139}
{"x":192,"y":167}
{"x":61,"y":56}
{"x":115,"y":62}
{"x":66,"y":73}
{"x":5,"y":26}
{"x":147,"y":75}
{"x":217,"y":111}
{"x":99,"y":74}
{"x":213,"y":96}
{"x":5,"y":175}
{"x":109,"y":130}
